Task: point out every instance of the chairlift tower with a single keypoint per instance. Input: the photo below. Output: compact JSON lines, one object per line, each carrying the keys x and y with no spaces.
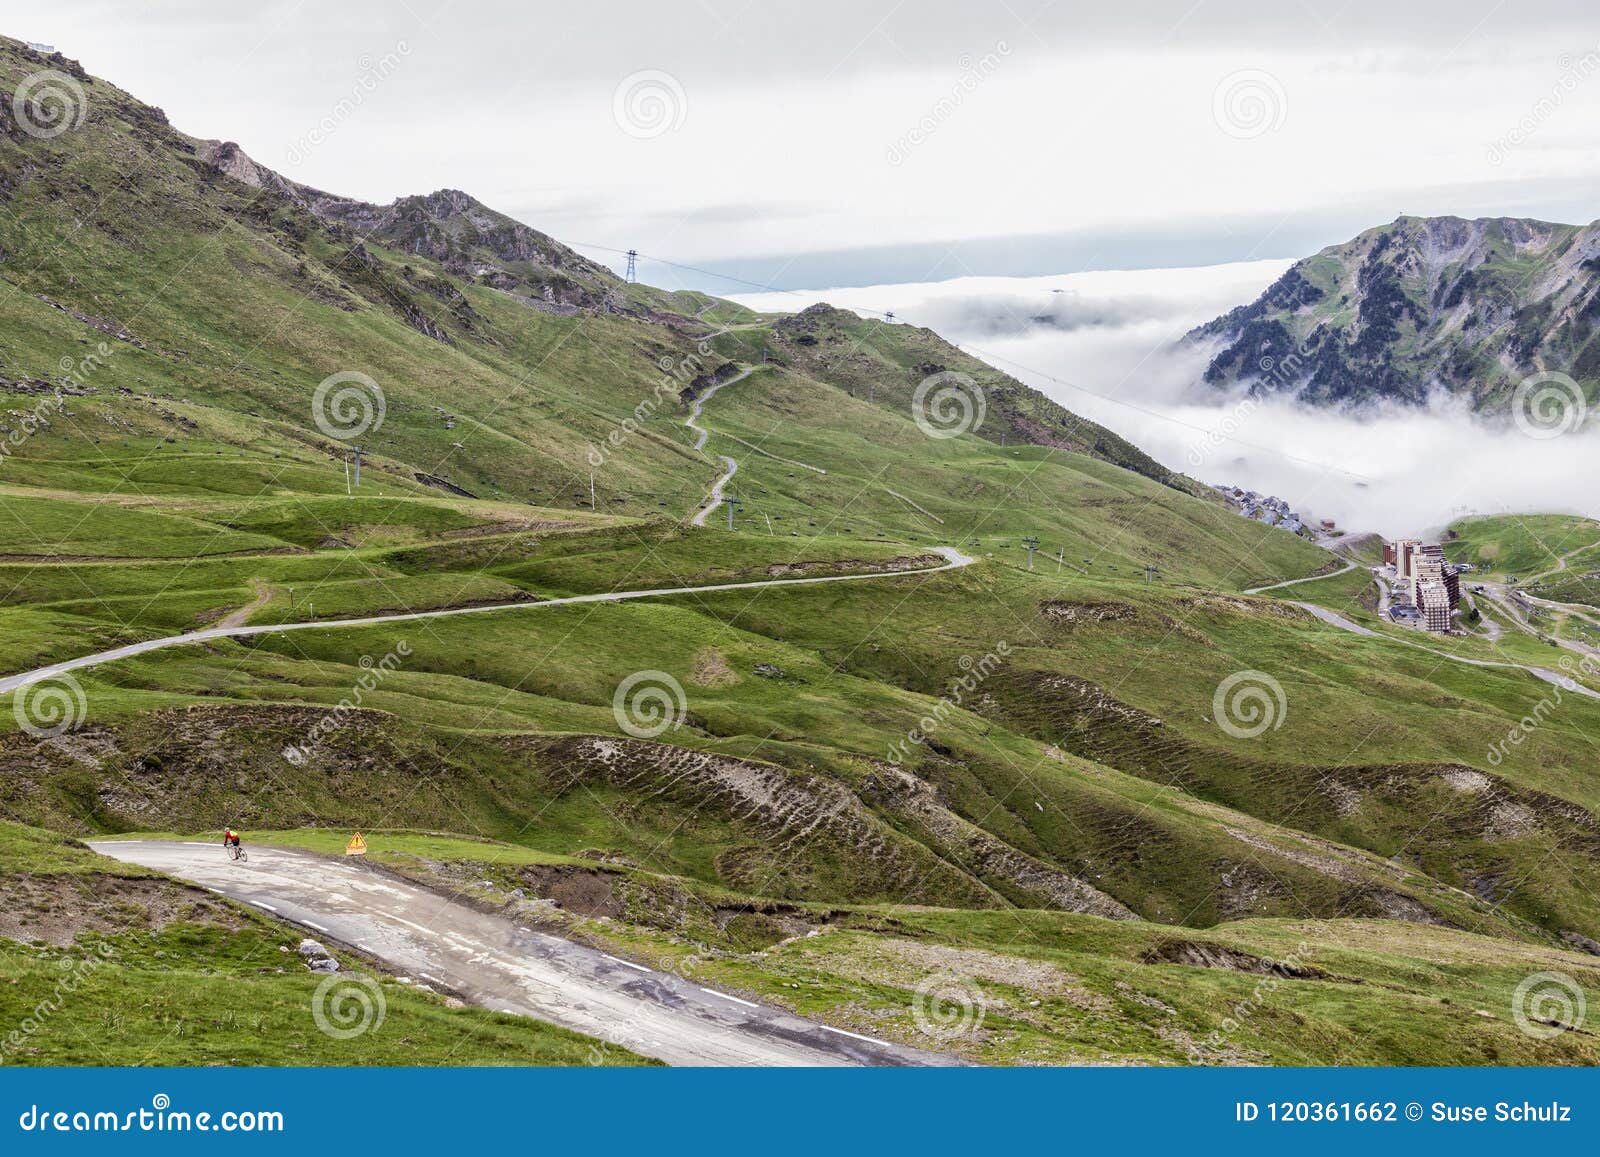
{"x":1030,"y":542}
{"x":633,"y":273}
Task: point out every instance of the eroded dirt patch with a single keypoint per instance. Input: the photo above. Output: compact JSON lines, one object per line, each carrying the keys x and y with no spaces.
{"x":1065,"y":613}
{"x":59,"y":908}
{"x":1196,"y":954}
{"x":710,"y":669}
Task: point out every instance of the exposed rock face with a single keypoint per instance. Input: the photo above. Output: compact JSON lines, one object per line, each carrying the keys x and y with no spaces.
{"x":1420,"y":305}
{"x":991,"y":860}
{"x":468,"y":238}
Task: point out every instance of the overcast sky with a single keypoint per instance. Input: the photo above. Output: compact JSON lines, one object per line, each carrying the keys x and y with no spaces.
{"x":846,"y":142}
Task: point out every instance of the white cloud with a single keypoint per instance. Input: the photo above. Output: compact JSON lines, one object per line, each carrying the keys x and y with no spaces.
{"x":1097,"y":122}
{"x":1398,"y":471}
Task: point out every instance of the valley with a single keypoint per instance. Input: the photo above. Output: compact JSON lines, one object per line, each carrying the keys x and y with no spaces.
{"x":726,"y":687}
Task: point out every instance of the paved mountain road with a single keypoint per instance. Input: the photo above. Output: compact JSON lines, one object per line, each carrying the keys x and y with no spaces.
{"x":498,"y":964}
{"x":1555,"y":678}
{"x":13,"y":682}
{"x":701,"y":434}
{"x":1349,"y":566}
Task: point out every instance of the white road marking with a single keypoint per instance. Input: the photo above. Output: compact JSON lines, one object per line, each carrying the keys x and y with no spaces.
{"x":735,"y":999}
{"x":857,"y":1036}
{"x":314,"y":924}
{"x":560,"y":981}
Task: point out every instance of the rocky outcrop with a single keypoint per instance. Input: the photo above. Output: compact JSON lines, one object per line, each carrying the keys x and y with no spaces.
{"x":1420,"y":305}
{"x":991,"y":860}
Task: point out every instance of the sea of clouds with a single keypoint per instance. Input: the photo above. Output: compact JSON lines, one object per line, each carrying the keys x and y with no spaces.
{"x":1106,"y":345}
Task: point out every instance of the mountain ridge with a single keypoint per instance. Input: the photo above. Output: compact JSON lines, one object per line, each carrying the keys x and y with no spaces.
{"x":1419,"y":306}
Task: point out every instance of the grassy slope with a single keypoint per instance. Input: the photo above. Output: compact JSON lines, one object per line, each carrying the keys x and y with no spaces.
{"x":1522,"y":545}
{"x":190,"y":482}
{"x":164,"y":974}
{"x":1030,"y":986}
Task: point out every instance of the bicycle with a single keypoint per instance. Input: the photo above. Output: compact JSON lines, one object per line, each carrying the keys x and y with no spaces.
{"x":238,"y":853}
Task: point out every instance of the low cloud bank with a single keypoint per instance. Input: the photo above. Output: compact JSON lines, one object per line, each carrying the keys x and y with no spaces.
{"x":1103,"y":345}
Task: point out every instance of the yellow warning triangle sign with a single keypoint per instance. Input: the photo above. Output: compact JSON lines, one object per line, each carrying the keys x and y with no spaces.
{"x":356,"y":847}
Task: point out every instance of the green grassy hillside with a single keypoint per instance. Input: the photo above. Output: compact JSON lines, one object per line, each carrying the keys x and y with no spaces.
{"x":1019,"y":776}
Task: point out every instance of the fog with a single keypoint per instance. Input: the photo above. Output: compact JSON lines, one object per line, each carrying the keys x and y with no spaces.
{"x":1105,"y":345}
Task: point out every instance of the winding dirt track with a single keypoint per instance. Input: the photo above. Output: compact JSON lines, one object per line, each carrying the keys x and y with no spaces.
{"x":12,"y":682}
{"x":693,"y":422}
